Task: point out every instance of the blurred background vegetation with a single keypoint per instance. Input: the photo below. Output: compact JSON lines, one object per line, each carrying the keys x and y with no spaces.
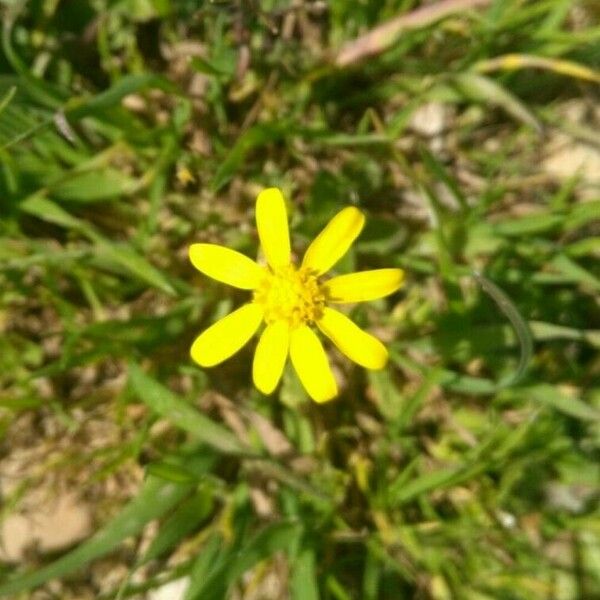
{"x":468,"y":132}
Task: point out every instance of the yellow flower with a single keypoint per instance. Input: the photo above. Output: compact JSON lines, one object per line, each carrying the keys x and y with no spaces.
{"x":290,"y":299}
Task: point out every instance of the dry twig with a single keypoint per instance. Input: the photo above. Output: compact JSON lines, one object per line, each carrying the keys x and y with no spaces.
{"x":379,"y":39}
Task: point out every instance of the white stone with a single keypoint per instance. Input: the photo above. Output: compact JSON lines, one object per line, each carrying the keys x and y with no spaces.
{"x":174,"y":590}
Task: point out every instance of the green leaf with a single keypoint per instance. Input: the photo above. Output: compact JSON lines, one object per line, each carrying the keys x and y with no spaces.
{"x":210,"y":559}
{"x":482,"y":89}
{"x":272,"y":539}
{"x":6,"y":100}
{"x":388,"y":399}
{"x":184,"y":520}
{"x":550,"y":331}
{"x":422,"y":484}
{"x":166,"y":404}
{"x":511,"y":312}
{"x":120,"y":254}
{"x":528,"y":225}
{"x":440,"y":173}
{"x":257,"y":136}
{"x":581,"y":214}
{"x":171,"y":472}
{"x":36,"y":87}
{"x":303,"y":584}
{"x":79,"y":108}
{"x":570,"y":405}
{"x":39,"y":206}
{"x":127,"y":258}
{"x":94,"y":186}
{"x":448,"y":379}
{"x":208,"y":68}
{"x":575,"y":273}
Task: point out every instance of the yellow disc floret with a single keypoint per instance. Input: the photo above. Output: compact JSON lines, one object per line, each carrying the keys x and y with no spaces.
{"x":291,"y":295}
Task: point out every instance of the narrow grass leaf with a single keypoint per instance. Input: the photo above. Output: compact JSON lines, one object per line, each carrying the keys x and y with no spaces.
{"x":40,"y":90}
{"x":414,"y":402}
{"x":7,"y":98}
{"x":513,"y":62}
{"x":171,"y":472}
{"x":547,"y":394}
{"x":528,"y":225}
{"x":440,"y":173}
{"x":255,"y":137}
{"x":587,"y":246}
{"x":510,"y":311}
{"x":490,"y":338}
{"x":201,"y":65}
{"x":372,"y":576}
{"x":550,"y":331}
{"x":303,"y":583}
{"x":39,"y":206}
{"x":437,"y":218}
{"x":482,"y":89}
{"x":124,"y":256}
{"x":166,"y":404}
{"x":131,"y":261}
{"x":388,"y":399}
{"x":184,"y":520}
{"x":270,"y":468}
{"x":273,"y":538}
{"x":431,"y":481}
{"x":575,"y":273}
{"x":129,"y":84}
{"x":94,"y":186}
{"x":448,"y":379}
{"x":336,"y":589}
{"x":581,"y":214}
{"x":209,"y":560}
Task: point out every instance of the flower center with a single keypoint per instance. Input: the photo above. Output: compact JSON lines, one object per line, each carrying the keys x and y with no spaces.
{"x":291,"y":295}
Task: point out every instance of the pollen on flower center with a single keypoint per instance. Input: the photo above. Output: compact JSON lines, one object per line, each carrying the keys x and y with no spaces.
{"x":291,"y":295}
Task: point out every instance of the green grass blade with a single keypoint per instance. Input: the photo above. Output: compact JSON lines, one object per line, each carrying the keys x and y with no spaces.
{"x":483,"y":89}
{"x":166,"y":404}
{"x":124,"y":256}
{"x":257,"y":136}
{"x":439,"y":172}
{"x":448,"y":379}
{"x":432,"y":481}
{"x":210,"y":559}
{"x":510,"y":311}
{"x":8,"y":98}
{"x":129,"y":84}
{"x":570,"y":405}
{"x":575,"y":273}
{"x":272,"y":539}
{"x":303,"y":584}
{"x":184,"y":520}
{"x":39,"y":206}
{"x":93,"y":186}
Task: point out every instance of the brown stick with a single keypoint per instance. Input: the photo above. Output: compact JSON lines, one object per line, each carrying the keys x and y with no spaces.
{"x":383,"y":36}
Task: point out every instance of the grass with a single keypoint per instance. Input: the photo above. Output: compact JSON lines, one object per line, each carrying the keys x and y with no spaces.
{"x":468,"y":468}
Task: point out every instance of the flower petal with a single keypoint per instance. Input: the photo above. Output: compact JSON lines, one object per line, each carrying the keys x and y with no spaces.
{"x":226,"y":265}
{"x":363,"y":286}
{"x":335,"y":239}
{"x":226,"y":336}
{"x":311,"y":364}
{"x":270,"y":356}
{"x":356,"y":344}
{"x":272,"y":224}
